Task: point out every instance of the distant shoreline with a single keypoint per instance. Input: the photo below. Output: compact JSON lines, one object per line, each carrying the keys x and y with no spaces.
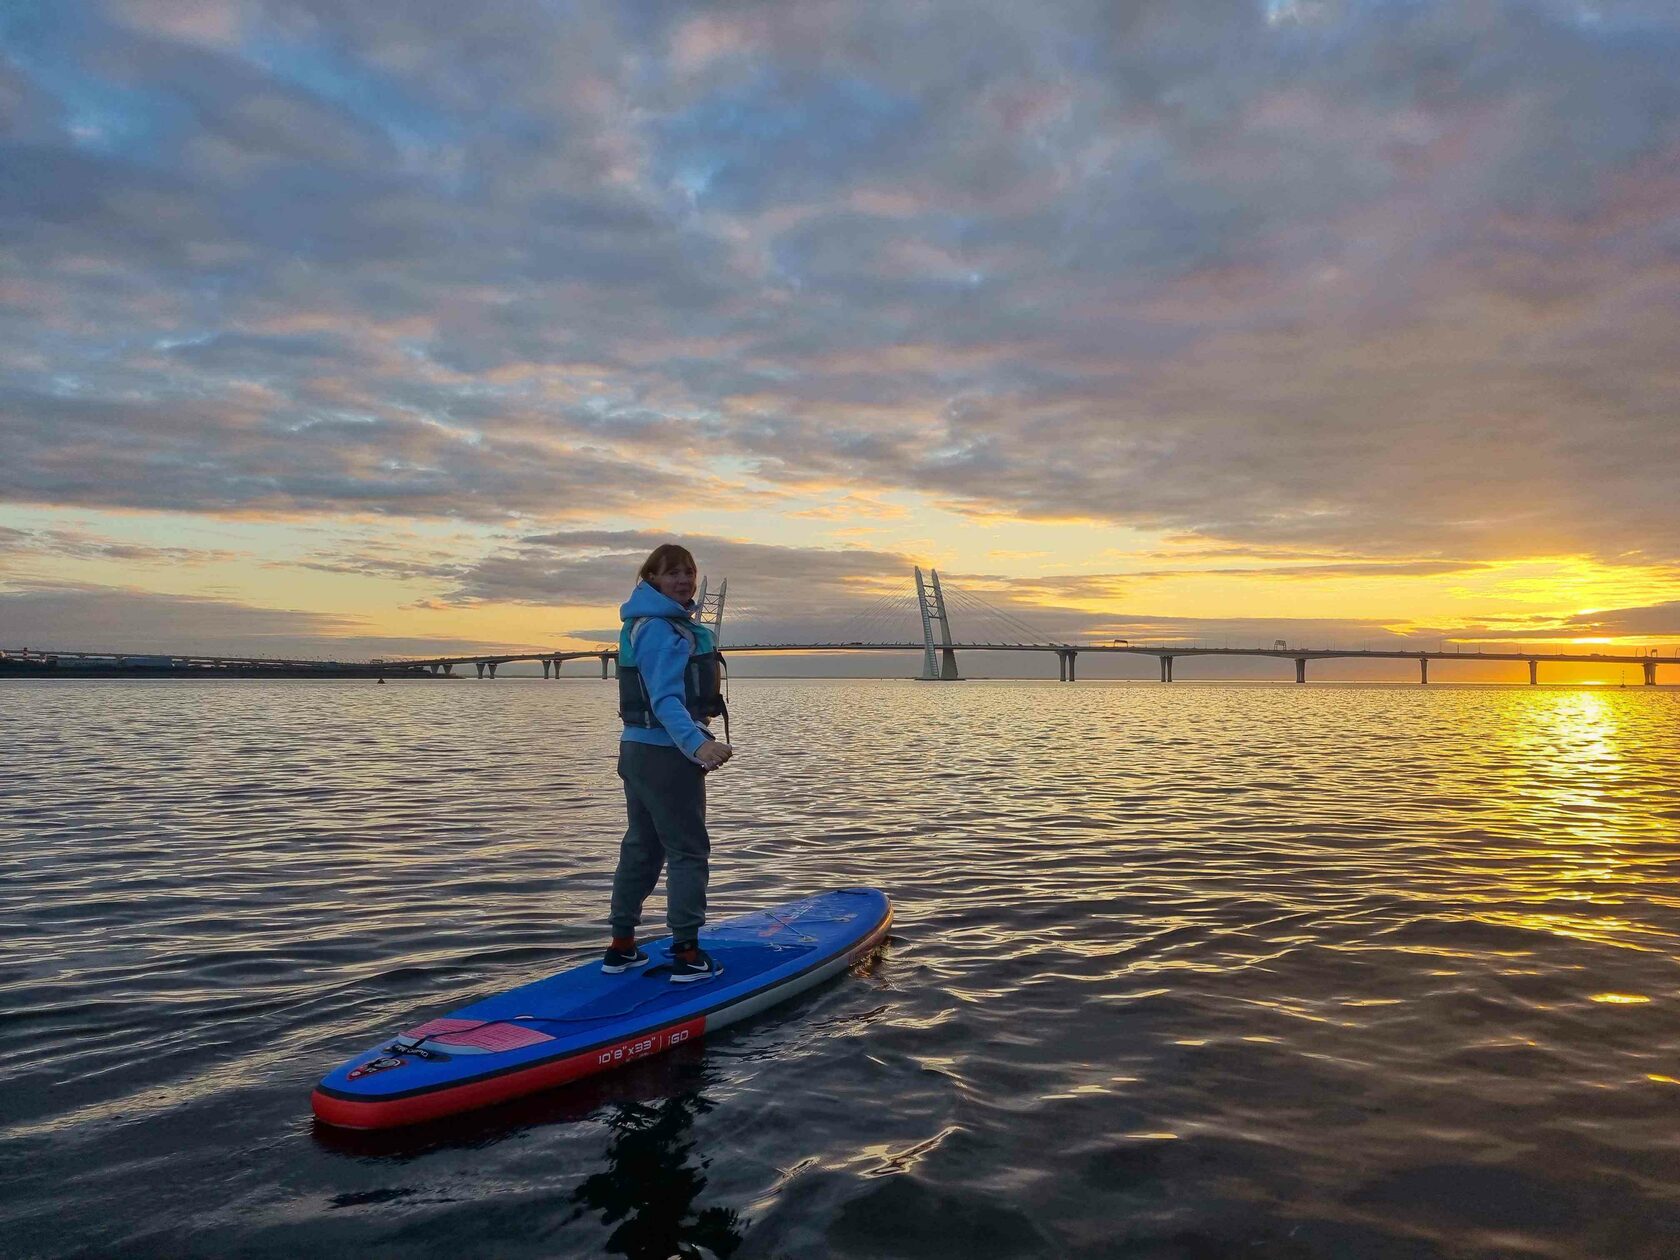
{"x":53,"y":671}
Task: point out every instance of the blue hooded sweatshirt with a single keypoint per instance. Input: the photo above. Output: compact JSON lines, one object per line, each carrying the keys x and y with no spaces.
{"x":661,"y":653}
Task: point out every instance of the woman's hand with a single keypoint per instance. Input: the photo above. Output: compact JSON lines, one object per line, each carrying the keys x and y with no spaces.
{"x":712,"y":754}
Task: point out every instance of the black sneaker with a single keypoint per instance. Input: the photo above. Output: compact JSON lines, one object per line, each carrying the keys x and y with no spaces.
{"x":617,"y":960}
{"x":686,"y":968}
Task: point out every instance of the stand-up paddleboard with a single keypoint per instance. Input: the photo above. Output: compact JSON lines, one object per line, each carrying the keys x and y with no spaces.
{"x":583,"y":1021}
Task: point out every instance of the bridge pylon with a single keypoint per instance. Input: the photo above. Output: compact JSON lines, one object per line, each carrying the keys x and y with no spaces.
{"x":709,"y":607}
{"x":932,"y":605}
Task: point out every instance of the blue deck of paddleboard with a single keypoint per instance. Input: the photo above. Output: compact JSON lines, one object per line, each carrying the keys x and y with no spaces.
{"x":584,"y":1007}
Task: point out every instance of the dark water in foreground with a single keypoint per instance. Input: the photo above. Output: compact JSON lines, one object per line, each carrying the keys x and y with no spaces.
{"x":1188,"y":971}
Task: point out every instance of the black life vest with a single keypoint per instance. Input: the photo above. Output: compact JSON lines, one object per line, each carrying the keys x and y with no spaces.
{"x":702,"y":677}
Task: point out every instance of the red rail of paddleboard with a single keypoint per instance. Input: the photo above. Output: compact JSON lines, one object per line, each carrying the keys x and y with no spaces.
{"x":448,"y":1100}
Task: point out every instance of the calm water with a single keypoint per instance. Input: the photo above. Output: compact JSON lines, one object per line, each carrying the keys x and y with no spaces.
{"x":1188,"y":971}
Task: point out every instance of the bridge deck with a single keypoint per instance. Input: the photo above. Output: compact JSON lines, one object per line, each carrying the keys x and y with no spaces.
{"x":1159,"y":650}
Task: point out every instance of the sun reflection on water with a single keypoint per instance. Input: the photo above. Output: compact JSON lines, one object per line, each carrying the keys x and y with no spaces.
{"x":1566,"y":789}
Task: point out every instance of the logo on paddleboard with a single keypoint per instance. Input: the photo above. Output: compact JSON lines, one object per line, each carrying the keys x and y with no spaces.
{"x":383,"y":1063}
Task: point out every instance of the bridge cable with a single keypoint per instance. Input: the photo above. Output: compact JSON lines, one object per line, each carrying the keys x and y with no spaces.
{"x":971,"y":602}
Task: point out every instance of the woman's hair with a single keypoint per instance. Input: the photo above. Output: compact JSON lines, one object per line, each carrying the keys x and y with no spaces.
{"x":663,"y":557}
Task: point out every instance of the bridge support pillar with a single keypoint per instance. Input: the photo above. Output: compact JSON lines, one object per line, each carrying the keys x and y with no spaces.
{"x":480,"y":665}
{"x":1300,"y":669}
{"x":947,"y":658}
{"x":1423,"y":667}
{"x":604,"y":664}
{"x":1650,"y":673}
{"x":492,"y":669}
{"x":450,"y":669}
{"x":1533,"y":672}
{"x":944,"y":667}
{"x":1064,"y":665}
{"x":545,"y":666}
{"x":435,"y":669}
{"x":1166,"y":669}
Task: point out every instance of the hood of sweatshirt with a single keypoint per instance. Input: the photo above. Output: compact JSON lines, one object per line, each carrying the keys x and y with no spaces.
{"x":646,"y":601}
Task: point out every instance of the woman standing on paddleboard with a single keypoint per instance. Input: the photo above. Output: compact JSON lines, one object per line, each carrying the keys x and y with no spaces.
{"x":669,"y":688}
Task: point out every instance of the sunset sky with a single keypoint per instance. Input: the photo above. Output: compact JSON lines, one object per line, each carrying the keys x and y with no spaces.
{"x":350,"y":329}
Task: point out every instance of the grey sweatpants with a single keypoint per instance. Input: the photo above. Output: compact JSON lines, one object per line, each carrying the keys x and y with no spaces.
{"x":665,"y":794}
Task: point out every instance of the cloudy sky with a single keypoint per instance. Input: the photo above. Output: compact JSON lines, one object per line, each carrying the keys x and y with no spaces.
{"x":394,"y":326}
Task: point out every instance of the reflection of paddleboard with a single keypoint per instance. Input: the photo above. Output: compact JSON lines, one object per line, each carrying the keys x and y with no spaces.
{"x":582,"y":1021}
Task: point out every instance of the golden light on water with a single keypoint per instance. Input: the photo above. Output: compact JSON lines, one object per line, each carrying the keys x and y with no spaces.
{"x":1574,"y":737}
{"x":1616,"y":933}
{"x":1565,"y":781}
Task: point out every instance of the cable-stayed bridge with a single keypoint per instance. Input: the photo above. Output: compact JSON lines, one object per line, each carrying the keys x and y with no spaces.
{"x":931,"y":603}
{"x":919,"y":621}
